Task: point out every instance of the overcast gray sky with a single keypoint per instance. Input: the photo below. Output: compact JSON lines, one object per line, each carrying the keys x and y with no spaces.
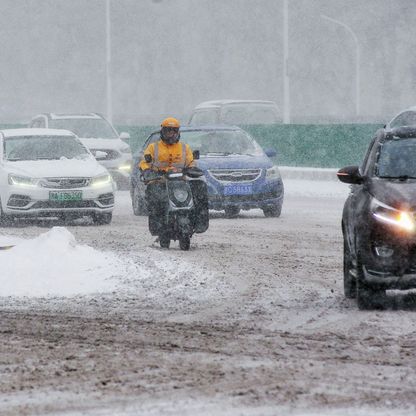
{"x":169,"y":55}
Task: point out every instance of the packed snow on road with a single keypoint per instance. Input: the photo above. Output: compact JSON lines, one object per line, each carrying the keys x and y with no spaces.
{"x":252,"y":320}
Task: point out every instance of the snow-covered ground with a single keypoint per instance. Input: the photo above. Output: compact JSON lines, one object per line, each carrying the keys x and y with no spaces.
{"x":54,"y":263}
{"x":250,"y":321}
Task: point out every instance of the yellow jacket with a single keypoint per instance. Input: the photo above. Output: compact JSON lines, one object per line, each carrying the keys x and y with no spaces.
{"x":167,"y":157}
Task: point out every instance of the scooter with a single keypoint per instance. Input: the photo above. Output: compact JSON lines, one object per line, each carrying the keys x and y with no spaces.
{"x":178,"y":224}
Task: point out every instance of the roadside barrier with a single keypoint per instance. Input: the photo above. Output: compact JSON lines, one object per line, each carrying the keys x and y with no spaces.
{"x":301,"y":145}
{"x":304,"y":145}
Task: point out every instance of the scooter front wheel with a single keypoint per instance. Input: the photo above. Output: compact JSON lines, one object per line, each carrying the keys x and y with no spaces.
{"x":164,"y":241}
{"x":184,"y":242}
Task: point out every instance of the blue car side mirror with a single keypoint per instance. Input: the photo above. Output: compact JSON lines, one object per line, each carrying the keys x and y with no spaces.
{"x":270,"y":152}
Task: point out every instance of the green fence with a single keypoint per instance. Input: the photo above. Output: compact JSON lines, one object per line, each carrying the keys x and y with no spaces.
{"x":309,"y":145}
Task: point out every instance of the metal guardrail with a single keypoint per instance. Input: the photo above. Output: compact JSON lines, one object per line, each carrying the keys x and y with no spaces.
{"x":308,"y":145}
{"x":305,"y":145}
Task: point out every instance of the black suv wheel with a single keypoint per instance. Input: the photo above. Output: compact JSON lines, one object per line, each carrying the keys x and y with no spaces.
{"x":350,"y":286}
{"x":367,"y":297}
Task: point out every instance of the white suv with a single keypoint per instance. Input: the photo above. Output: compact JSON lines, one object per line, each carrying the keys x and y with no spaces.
{"x":99,"y":136}
{"x":46,"y":172}
{"x":235,"y":112}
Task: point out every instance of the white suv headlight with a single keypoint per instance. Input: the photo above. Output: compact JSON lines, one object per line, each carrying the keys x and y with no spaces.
{"x":273,"y":173}
{"x":125,"y":166}
{"x":384,"y":213}
{"x":101,"y":180}
{"x":22,"y":180}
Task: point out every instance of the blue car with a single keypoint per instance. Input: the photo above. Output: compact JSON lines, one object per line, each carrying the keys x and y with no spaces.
{"x":239,"y":174}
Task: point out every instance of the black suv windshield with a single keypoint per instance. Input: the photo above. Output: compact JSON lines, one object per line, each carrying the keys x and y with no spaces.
{"x":85,"y":127}
{"x":43,"y":147}
{"x":397,"y":159}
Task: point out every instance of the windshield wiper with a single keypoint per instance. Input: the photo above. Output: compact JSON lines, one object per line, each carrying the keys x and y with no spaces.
{"x":228,"y":154}
{"x":218,"y":153}
{"x":400,"y":177}
{"x":242,"y":154}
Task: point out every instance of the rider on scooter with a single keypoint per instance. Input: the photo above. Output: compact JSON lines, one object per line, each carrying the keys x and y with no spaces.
{"x":169,"y":155}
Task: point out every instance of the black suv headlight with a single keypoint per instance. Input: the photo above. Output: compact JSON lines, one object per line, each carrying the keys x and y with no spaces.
{"x":400,"y":219}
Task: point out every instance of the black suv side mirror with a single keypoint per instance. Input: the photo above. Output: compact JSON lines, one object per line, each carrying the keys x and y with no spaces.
{"x":148,"y":158}
{"x":195,"y":154}
{"x":350,"y":174}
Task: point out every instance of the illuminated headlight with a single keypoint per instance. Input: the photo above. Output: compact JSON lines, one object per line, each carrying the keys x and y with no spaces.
{"x":389,"y":215}
{"x":101,"y":180}
{"x":126,"y":167}
{"x":22,"y":180}
{"x":181,"y":195}
{"x":273,"y":173}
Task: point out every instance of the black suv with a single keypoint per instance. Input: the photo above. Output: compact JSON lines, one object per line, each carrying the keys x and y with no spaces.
{"x":379,"y":219}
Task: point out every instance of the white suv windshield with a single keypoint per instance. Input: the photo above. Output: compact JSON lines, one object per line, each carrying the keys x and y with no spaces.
{"x":249,"y":114}
{"x":43,"y":147}
{"x":85,"y":127}
{"x":205,"y":117}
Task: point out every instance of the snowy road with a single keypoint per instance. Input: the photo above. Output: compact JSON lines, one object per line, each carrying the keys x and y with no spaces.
{"x":250,"y":321}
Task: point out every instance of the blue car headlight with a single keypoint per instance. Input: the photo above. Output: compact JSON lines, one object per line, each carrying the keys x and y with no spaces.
{"x":273,"y":173}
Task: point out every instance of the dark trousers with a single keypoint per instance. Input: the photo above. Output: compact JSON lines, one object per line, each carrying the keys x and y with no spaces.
{"x":157,"y":204}
{"x":201,"y":215}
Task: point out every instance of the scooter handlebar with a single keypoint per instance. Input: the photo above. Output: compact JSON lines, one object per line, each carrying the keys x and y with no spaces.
{"x":152,"y":175}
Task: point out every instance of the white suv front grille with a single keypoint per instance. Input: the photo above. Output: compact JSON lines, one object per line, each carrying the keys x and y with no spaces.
{"x":65,"y":183}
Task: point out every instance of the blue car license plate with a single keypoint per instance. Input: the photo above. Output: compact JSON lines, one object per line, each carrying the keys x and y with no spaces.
{"x":238,"y":189}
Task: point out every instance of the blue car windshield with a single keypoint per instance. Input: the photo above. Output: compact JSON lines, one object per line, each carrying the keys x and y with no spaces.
{"x":397,"y":159}
{"x":219,"y":142}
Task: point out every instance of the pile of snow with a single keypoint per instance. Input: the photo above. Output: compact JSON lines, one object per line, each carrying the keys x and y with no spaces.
{"x":54,"y":264}
{"x":8,"y":240}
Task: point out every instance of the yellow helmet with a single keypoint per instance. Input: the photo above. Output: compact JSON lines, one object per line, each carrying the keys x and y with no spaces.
{"x":169,"y":131}
{"x":170,"y":122}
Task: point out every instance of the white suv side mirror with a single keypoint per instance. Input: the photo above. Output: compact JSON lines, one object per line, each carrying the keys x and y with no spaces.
{"x":100,"y":155}
{"x":124,"y":136}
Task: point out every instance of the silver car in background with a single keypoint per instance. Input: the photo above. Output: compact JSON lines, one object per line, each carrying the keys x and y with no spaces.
{"x":235,"y":112}
{"x":108,"y":147}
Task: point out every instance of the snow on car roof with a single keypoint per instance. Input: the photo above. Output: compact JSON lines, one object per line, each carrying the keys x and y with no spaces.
{"x":208,"y":127}
{"x":56,"y":116}
{"x":35,"y":132}
{"x":217,"y":103}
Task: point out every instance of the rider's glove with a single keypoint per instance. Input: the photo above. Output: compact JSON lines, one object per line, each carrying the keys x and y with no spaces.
{"x":147,"y":174}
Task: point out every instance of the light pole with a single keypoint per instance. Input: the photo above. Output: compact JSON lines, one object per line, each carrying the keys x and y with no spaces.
{"x":108,"y":61}
{"x":286,"y":79}
{"x":357,"y":61}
